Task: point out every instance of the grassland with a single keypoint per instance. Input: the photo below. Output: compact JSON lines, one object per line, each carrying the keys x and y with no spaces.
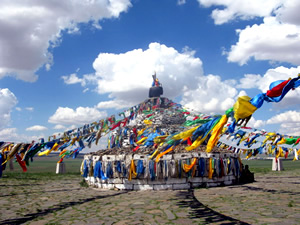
{"x":40,"y":196}
{"x":46,"y":166}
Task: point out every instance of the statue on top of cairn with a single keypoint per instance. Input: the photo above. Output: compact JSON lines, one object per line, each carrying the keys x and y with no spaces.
{"x":156,"y":90}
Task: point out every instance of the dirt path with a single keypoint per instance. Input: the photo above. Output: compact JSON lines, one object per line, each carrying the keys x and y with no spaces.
{"x":270,"y":200}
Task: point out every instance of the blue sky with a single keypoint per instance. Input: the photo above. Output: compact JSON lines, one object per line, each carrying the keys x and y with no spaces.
{"x":64,"y":64}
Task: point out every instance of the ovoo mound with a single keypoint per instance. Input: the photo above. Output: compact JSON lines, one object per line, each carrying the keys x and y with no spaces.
{"x":140,"y":155}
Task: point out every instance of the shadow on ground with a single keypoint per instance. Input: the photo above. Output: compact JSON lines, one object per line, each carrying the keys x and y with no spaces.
{"x":55,"y":208}
{"x":198,"y":210}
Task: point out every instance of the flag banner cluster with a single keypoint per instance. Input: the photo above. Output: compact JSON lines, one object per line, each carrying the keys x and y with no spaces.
{"x":159,"y":126}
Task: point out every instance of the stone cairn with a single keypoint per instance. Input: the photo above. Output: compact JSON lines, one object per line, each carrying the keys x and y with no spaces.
{"x":128,"y":165}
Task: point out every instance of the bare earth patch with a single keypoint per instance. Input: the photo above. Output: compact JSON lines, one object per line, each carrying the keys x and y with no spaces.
{"x":272,"y":199}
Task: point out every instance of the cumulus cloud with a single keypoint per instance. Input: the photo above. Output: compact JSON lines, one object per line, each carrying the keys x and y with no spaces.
{"x":263,"y":82}
{"x":117,"y":104}
{"x":211,"y":96}
{"x":12,"y":135}
{"x":80,"y":115}
{"x":7,"y":102}
{"x":36,"y":128}
{"x":271,"y":40}
{"x":128,"y":75}
{"x":277,"y":38}
{"x":181,"y":2}
{"x":288,"y":116}
{"x":126,"y":78}
{"x":30,"y":28}
{"x":289,"y":122}
{"x":59,"y":127}
{"x":72,"y":79}
{"x":240,"y":9}
{"x":29,"y":109}
{"x":256,"y":123}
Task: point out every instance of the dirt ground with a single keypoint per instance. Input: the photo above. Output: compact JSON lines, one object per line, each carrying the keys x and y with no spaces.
{"x":272,"y":199}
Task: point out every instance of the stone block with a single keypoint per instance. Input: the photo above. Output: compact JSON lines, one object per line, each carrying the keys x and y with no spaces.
{"x":142,"y":187}
{"x":205,"y":179}
{"x":195,"y":179}
{"x":120,"y":157}
{"x":181,"y":186}
{"x":108,"y":158}
{"x":124,"y":186}
{"x":221,"y":179}
{"x":159,"y":187}
{"x":196,"y":154}
{"x":176,"y":181}
{"x":96,"y":158}
{"x":153,"y":182}
{"x":107,"y":186}
{"x":198,"y":184}
{"x":167,"y":157}
{"x":203,"y":155}
{"x":214,"y":184}
{"x":60,"y":168}
{"x":115,"y":181}
{"x":227,"y":182}
{"x":183,"y":156}
{"x":139,"y":157}
{"x":136,"y":181}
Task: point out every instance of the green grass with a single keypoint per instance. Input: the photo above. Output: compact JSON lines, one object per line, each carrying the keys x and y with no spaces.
{"x":265,"y":166}
{"x":44,"y":168}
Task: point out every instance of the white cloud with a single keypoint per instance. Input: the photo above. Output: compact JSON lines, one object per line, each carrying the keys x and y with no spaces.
{"x":80,"y":115}
{"x":289,"y":122}
{"x":288,"y":116}
{"x":11,"y":135}
{"x":263,"y":83}
{"x":211,"y":96}
{"x":19,"y":109}
{"x":271,"y":40}
{"x":255,"y":123}
{"x":127,"y":78}
{"x":276,"y":39}
{"x":7,"y":102}
{"x":29,"y":109}
{"x":117,"y":104}
{"x":249,"y":81}
{"x":30,"y":28}
{"x":289,"y":12}
{"x":72,"y":79}
{"x":181,"y":2}
{"x":36,"y":128}
{"x":59,"y":127}
{"x":240,"y":9}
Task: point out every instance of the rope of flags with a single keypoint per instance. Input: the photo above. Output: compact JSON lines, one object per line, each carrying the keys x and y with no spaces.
{"x":160,"y":126}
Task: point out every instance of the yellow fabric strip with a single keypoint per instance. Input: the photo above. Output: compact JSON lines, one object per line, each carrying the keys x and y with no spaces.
{"x":148,"y":122}
{"x":249,"y":155}
{"x":187,"y":167}
{"x":210,"y":169}
{"x":216,"y":132}
{"x":243,"y":108}
{"x":141,"y":131}
{"x":163,"y":153}
{"x":282,"y":141}
{"x":185,"y":134}
{"x":159,"y":139}
{"x":44,"y":152}
{"x":155,"y":153}
{"x":132,"y":170}
{"x":141,"y":141}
